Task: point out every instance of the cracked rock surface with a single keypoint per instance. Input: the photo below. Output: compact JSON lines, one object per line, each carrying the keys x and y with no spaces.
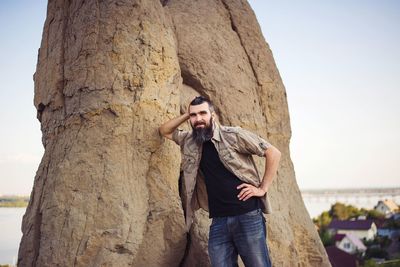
{"x":108,"y":74}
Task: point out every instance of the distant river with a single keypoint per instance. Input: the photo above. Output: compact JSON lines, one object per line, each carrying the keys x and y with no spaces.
{"x":10,"y":234}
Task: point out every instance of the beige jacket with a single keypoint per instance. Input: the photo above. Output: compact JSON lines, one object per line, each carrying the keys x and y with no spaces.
{"x":235,"y":147}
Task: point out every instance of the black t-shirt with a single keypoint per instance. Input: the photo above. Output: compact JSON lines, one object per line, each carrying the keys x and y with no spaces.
{"x":221,"y":186}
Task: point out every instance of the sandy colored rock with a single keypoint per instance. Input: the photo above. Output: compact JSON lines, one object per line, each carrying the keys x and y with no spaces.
{"x":109,"y":73}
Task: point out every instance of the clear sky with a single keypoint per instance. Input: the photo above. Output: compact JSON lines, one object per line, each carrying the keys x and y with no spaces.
{"x":340,"y":63}
{"x":20,"y":137}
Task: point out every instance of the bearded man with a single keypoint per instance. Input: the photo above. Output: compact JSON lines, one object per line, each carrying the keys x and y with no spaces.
{"x":220,"y":176}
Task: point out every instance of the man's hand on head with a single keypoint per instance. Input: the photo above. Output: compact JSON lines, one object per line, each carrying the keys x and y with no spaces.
{"x":249,"y":191}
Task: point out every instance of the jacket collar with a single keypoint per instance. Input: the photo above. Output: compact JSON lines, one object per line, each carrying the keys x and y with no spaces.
{"x":216,"y":132}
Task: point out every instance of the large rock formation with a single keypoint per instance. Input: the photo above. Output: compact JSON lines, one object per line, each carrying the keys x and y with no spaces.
{"x":108,"y":74}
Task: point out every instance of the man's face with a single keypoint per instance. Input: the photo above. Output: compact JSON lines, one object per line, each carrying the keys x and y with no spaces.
{"x":200,"y":116}
{"x":201,"y":122}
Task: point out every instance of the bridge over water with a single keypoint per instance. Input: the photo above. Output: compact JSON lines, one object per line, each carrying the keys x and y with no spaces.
{"x":351,"y":194}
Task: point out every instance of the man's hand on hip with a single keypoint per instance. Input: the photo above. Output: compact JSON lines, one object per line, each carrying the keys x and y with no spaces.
{"x":249,"y":191}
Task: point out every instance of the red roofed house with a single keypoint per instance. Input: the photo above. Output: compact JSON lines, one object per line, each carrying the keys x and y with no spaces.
{"x":360,"y":228}
{"x":339,"y":258}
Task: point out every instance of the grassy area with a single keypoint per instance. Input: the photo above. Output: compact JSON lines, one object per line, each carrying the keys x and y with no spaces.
{"x":14,"y":202}
{"x":390,"y":263}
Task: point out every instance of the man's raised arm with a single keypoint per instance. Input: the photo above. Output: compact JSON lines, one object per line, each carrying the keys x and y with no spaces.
{"x":169,"y":127}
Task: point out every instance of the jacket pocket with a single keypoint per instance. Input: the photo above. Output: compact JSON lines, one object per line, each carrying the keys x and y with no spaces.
{"x":188,"y":163}
{"x":241,"y":165}
{"x":231,"y":160}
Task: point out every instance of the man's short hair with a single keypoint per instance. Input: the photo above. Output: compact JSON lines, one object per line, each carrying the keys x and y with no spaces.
{"x":198,"y":100}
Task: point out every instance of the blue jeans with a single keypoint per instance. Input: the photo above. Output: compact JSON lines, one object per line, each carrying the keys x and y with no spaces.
{"x":242,"y":234}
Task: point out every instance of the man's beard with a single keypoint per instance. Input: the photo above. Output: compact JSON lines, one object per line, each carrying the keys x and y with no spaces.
{"x":201,"y":135}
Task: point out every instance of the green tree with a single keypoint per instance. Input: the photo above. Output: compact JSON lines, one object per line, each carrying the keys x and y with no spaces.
{"x":326,"y":238}
{"x":344,"y":212}
{"x":323,"y":220}
{"x":374,"y":214}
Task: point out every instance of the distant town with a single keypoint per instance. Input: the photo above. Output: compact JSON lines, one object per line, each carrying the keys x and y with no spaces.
{"x":359,"y":237}
{"x":14,"y":201}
